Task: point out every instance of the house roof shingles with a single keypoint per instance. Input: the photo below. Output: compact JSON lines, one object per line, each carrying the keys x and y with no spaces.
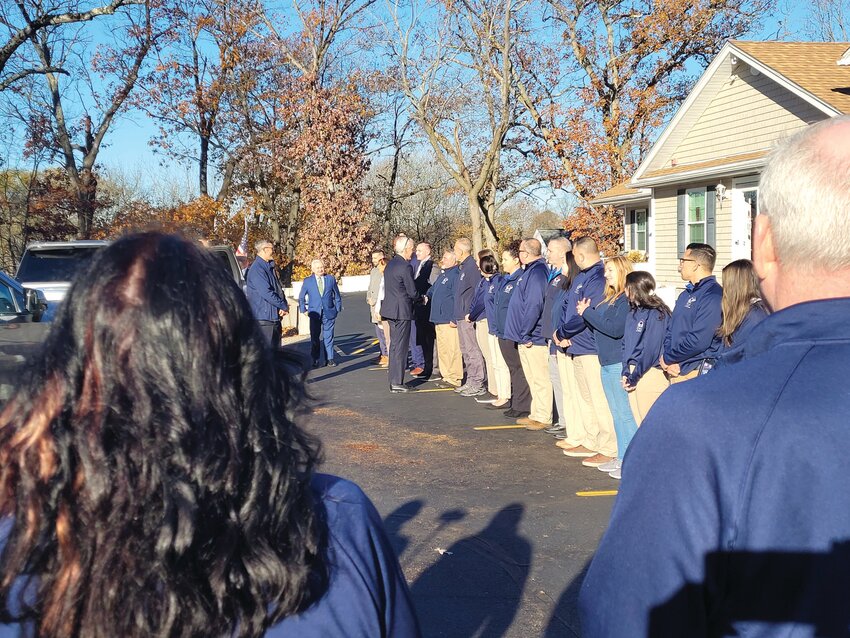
{"x":810,"y":65}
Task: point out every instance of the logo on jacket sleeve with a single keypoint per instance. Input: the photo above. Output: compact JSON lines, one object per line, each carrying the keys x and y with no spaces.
{"x":462,"y":275}
{"x":508,"y":288}
{"x":445,"y":281}
{"x":639,"y":327}
{"x":691,"y":302}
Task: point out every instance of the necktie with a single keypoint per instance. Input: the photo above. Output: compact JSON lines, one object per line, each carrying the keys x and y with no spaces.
{"x":321,"y":281}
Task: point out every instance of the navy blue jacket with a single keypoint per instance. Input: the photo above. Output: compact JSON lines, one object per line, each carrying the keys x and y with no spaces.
{"x":441,"y":296}
{"x":732,"y":353}
{"x":692,"y":332}
{"x":524,"y":322}
{"x":552,"y":302}
{"x":264,"y":292}
{"x":608,"y":322}
{"x":490,"y":299}
{"x":466,"y":284}
{"x":733,"y":516}
{"x":367,"y":595}
{"x":643,"y":342}
{"x":476,"y":305}
{"x":503,"y":295}
{"x":328,"y":304}
{"x":590,"y":284}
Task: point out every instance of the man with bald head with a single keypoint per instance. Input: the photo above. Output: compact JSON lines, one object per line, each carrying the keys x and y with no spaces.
{"x":321,"y":301}
{"x":733,"y":517}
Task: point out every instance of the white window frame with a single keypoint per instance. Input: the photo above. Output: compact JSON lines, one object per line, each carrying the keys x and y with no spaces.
{"x":645,"y":230}
{"x":688,"y":223}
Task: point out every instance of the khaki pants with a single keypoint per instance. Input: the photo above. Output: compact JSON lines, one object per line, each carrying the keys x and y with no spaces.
{"x":535,"y":366}
{"x":576,"y":432}
{"x":448,"y":353}
{"x":649,"y":388}
{"x":693,"y":374}
{"x":599,"y":423}
{"x":482,"y":335}
{"x":500,"y":370}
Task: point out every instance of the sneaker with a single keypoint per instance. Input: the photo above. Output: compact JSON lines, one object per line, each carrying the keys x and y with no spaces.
{"x":616,"y":474}
{"x":555,"y":429}
{"x":473,"y":391}
{"x":462,"y":388}
{"x":384,"y":361}
{"x":561,"y":437}
{"x":536,"y":425}
{"x":610,"y":466}
{"x":564,"y":445}
{"x":579,"y":452}
{"x":596,"y":460}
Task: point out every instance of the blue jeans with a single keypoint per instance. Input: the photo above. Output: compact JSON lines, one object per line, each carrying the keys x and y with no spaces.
{"x":618,"y":402}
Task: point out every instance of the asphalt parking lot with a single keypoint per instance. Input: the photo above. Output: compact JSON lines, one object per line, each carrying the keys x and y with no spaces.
{"x":490,"y":530}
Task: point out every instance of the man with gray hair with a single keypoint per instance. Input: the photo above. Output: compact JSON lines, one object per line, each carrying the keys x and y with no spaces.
{"x":265,"y":294}
{"x":321,"y":301}
{"x":734,"y":514}
{"x":467,"y":282}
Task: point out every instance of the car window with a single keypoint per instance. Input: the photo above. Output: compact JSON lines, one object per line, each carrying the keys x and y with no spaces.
{"x":20,"y":298}
{"x":7,"y":306}
{"x":54,"y":264}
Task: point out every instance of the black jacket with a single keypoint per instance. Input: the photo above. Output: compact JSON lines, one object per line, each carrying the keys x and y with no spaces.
{"x":399,"y":290}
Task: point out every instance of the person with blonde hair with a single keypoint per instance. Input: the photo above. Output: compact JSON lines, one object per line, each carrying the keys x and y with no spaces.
{"x":742,"y":307}
{"x":608,"y":322}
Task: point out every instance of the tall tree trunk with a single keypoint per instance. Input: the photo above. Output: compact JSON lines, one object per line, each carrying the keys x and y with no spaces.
{"x":203,"y":163}
{"x":475,"y":218}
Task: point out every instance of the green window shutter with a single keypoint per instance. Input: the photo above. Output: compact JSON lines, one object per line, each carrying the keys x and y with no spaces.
{"x":710,"y":216}
{"x":633,"y":227}
{"x":681,"y":216}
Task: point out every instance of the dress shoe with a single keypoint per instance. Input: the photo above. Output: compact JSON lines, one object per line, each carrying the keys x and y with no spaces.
{"x":331,"y":363}
{"x":578,"y":452}
{"x":315,"y":363}
{"x":536,"y":426}
{"x":515,"y":414}
{"x":504,"y":406}
{"x":417,"y":371}
{"x":401,"y":388}
{"x":384,"y":361}
{"x":596,"y":461}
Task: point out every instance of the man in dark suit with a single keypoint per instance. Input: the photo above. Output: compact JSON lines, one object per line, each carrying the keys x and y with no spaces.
{"x":397,"y":309}
{"x":423,"y":334}
{"x":321,"y":300}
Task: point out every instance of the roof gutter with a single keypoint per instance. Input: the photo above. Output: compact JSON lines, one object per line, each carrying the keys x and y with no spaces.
{"x":728,"y":170}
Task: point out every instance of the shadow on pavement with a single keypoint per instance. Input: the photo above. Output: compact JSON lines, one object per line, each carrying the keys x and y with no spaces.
{"x":397,"y":519}
{"x":566,"y":609}
{"x":476,"y":586}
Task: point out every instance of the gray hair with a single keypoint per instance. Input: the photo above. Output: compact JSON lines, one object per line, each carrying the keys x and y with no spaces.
{"x":260,"y":244}
{"x":563,"y":242}
{"x":805,"y":191}
{"x":401,"y":243}
{"x":465,"y":244}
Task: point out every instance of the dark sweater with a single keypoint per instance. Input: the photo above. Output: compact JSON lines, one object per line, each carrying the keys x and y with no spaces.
{"x":608,"y":322}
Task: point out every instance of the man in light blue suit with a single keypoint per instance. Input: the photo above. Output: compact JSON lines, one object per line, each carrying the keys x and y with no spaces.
{"x":321,"y":300}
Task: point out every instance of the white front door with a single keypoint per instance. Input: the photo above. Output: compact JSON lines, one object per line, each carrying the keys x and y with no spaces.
{"x":744,"y":210}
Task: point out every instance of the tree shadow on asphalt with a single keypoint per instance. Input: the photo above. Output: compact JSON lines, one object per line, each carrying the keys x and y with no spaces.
{"x":476,"y":586}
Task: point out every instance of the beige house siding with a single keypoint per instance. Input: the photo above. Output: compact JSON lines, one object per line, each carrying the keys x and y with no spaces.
{"x":667,"y":256}
{"x":748,"y":114}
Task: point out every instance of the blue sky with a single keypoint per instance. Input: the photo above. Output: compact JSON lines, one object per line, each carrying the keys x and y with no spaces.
{"x":127,"y":147}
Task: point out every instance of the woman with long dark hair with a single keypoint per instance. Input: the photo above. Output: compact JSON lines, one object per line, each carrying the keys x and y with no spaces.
{"x":646,"y":325}
{"x":153,"y":481}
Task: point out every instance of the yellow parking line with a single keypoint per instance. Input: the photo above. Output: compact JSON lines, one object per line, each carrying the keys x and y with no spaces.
{"x":361,"y":350}
{"x":499,"y":427}
{"x":384,"y":369}
{"x":598,"y":493}
{"x":437,"y":390}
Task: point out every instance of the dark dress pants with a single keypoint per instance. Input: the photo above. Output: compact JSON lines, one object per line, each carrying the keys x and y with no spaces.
{"x":399,"y":345}
{"x":271,"y":331}
{"x":520,"y":392}
{"x":321,"y":336}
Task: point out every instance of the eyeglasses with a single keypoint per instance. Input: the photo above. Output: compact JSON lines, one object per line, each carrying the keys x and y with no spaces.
{"x":522,"y":252}
{"x":682,"y":260}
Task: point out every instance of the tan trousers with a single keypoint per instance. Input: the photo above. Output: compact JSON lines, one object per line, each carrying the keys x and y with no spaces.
{"x":594,"y":405}
{"x":576,"y":432}
{"x":535,"y":366}
{"x":649,"y":388}
{"x":693,"y":374}
{"x":448,"y":353}
{"x":500,"y":370}
{"x":481,"y":335}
